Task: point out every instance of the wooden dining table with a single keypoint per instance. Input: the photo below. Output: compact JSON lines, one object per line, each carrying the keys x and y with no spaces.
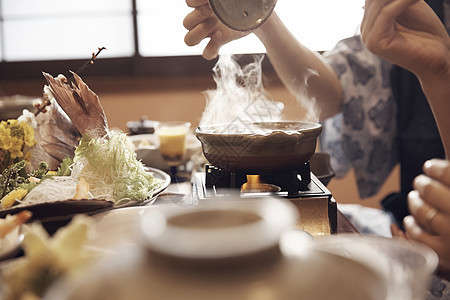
{"x":120,"y":232}
{"x":343,"y":224}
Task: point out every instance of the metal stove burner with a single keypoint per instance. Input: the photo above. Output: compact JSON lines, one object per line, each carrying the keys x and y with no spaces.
{"x":302,"y":183}
{"x":301,"y":187}
{"x":293,"y":182}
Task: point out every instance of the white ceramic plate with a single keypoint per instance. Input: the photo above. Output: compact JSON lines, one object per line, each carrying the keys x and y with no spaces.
{"x":65,"y":209}
{"x":160,"y":175}
{"x":212,"y":240}
{"x":406,"y":265}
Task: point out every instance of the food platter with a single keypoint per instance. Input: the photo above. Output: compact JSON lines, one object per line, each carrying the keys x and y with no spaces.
{"x":165,"y":181}
{"x":62,"y":208}
{"x":57,"y":213}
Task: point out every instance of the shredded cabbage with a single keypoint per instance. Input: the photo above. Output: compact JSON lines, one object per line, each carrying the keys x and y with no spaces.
{"x":111,"y":169}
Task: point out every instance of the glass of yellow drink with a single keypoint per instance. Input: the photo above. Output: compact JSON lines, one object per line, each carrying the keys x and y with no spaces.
{"x":172,"y":143}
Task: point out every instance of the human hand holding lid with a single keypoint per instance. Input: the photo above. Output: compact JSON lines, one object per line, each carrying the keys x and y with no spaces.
{"x":223,"y":21}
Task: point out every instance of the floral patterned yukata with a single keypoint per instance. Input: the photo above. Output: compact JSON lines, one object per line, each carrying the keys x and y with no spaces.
{"x":364,"y":135}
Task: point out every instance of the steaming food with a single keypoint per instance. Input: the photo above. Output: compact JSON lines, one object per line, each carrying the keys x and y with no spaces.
{"x":283,"y":146}
{"x":242,"y":129}
{"x":240,"y":95}
{"x":258,"y":128}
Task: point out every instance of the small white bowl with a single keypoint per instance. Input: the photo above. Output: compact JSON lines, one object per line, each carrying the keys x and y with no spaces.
{"x":407,"y":266}
{"x":147,"y":150}
{"x":206,"y":231}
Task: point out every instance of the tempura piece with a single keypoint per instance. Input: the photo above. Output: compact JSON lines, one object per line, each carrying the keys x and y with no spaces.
{"x":47,"y":259}
{"x":12,"y":222}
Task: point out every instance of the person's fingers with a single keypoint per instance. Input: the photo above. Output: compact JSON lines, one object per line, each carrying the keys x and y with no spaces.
{"x":428,"y":217}
{"x":372,"y":10}
{"x":212,"y":49}
{"x":196,"y":3}
{"x":433,"y":193}
{"x":199,"y":32}
{"x":420,"y":16}
{"x":437,"y":243}
{"x":200,"y":14}
{"x":438,"y":169}
{"x":367,"y":14}
{"x":381,"y":16}
{"x":381,"y":19}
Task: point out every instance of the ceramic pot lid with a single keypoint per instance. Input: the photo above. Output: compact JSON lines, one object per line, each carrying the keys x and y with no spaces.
{"x":242,"y":15}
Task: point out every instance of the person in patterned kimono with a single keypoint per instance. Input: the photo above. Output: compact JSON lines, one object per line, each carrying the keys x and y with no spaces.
{"x":373,"y":108}
{"x":409,"y":34}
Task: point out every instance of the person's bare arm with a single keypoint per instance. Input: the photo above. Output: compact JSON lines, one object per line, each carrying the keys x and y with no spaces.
{"x":292,"y":61}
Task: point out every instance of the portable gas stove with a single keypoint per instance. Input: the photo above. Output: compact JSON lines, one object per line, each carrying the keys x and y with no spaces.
{"x":317,"y":207}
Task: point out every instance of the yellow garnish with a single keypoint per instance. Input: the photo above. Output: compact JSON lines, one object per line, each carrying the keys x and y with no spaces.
{"x":53,"y":173}
{"x":13,"y":136}
{"x":12,"y":196}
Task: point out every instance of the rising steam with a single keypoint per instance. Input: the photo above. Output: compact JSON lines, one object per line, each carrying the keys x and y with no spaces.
{"x":240,"y":96}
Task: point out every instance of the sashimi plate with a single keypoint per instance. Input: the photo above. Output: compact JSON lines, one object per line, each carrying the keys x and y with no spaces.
{"x":60,"y":212}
